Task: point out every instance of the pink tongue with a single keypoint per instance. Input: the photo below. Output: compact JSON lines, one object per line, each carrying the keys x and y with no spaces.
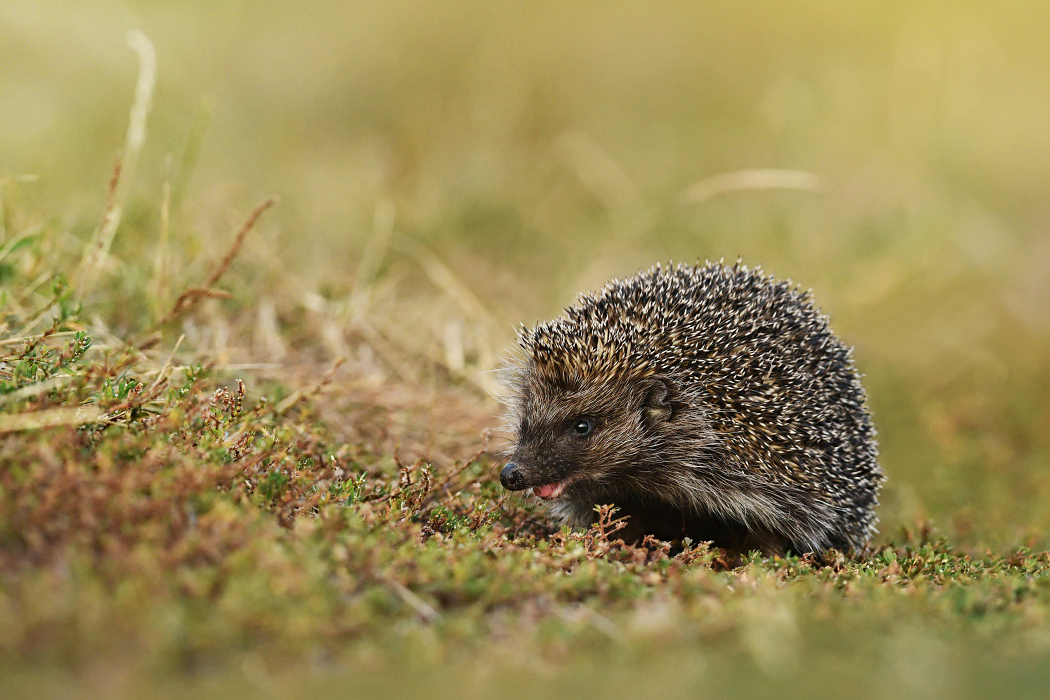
{"x":545,"y":491}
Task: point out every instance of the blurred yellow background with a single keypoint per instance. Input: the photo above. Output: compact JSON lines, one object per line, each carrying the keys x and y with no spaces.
{"x":488,"y":161}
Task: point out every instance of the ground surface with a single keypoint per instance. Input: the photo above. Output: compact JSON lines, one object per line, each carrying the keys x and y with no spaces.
{"x":250,"y":448}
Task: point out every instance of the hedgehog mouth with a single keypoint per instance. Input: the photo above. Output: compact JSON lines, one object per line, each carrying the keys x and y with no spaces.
{"x":550,"y":491}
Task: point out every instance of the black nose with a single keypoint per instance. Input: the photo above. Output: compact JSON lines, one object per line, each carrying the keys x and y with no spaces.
{"x":512,"y":478}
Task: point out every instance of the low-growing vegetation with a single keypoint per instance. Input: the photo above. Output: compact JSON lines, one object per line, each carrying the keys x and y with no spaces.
{"x":162,"y":515}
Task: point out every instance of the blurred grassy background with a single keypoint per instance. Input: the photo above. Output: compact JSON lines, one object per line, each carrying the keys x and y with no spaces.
{"x":523,"y":153}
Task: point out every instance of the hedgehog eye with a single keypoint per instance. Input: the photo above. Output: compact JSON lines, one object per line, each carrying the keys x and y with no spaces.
{"x":583,"y":427}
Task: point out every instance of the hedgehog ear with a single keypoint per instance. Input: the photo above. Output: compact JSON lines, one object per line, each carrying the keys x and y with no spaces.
{"x":657,"y":393}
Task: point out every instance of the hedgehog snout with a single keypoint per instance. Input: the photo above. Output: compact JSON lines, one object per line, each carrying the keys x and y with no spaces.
{"x":512,"y":477}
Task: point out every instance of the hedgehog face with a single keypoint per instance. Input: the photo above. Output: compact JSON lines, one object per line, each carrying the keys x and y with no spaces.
{"x":585,"y":442}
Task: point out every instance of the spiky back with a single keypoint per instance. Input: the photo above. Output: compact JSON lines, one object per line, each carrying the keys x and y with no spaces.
{"x":778,"y":389}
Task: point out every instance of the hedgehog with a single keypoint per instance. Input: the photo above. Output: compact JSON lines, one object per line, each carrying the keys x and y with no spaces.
{"x":707,"y":402}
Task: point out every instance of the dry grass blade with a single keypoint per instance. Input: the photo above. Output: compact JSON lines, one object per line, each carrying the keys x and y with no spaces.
{"x":98,"y":249}
{"x":447,"y":281}
{"x":25,"y":177}
{"x":64,"y":415}
{"x":166,"y":368}
{"x":188,"y":298}
{"x":249,"y":223}
{"x":299,"y":395}
{"x":375,"y":249}
{"x":391,"y":335}
{"x":159,"y":284}
{"x":761,"y":179}
{"x":424,"y":609}
{"x":599,"y":172}
{"x":36,"y":336}
{"x":28,"y":392}
{"x":597,"y":621}
{"x":98,"y":252}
